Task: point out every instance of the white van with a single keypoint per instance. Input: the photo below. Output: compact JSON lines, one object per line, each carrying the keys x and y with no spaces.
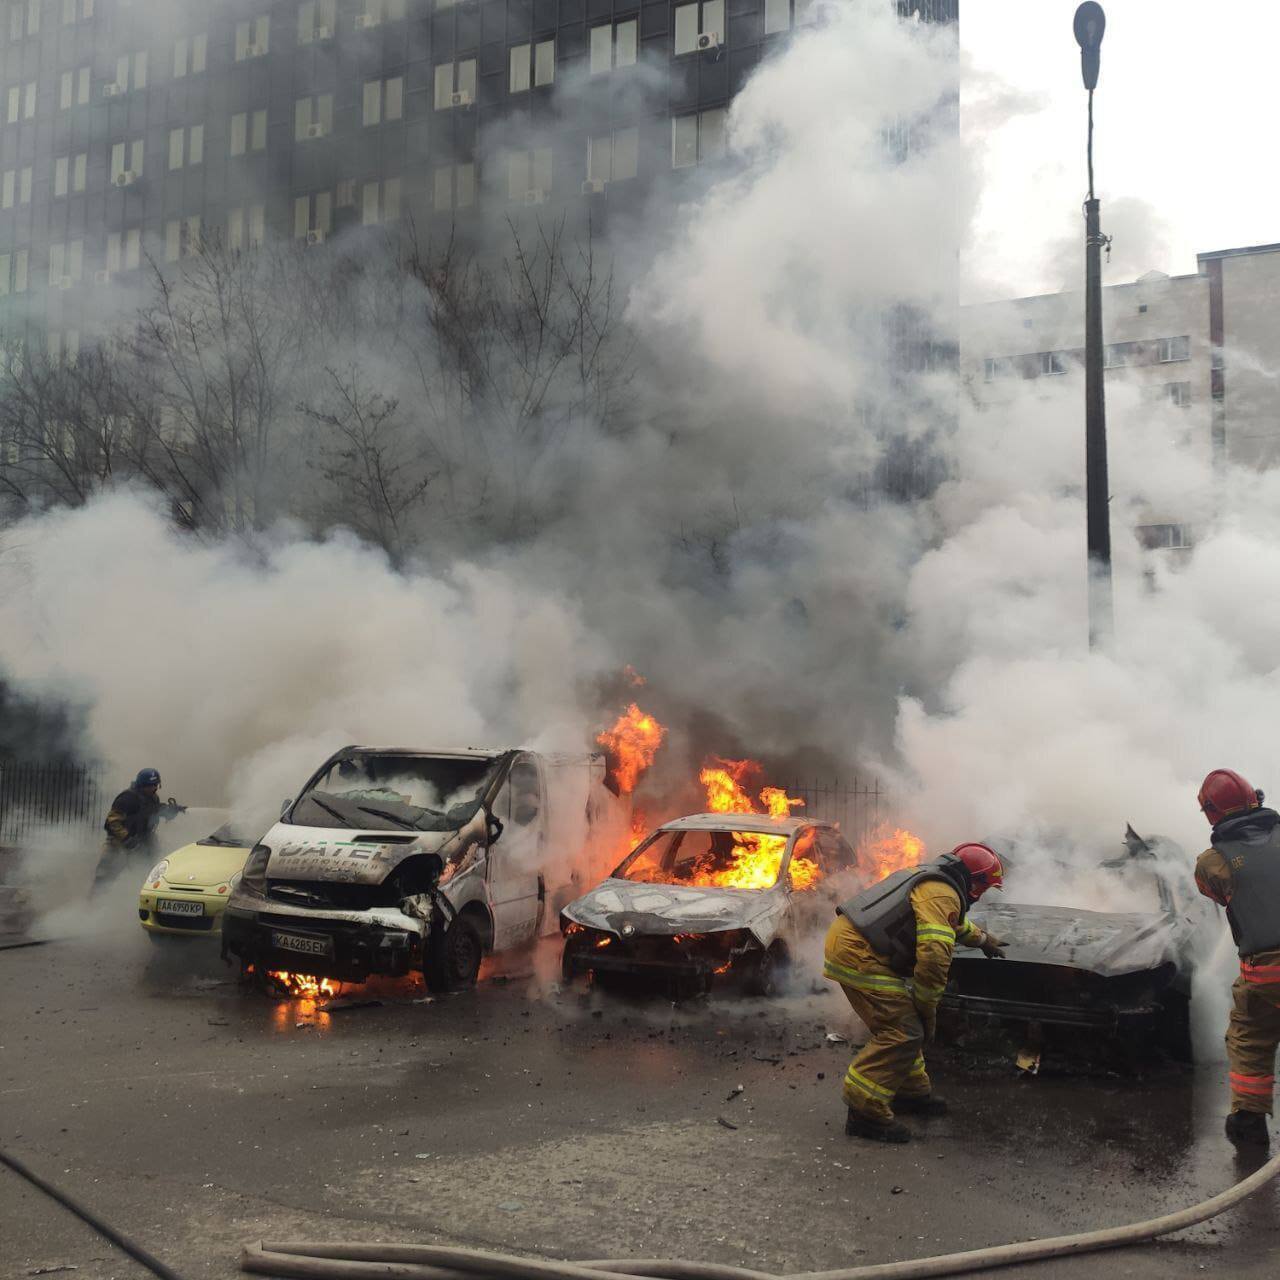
{"x":394,"y":860}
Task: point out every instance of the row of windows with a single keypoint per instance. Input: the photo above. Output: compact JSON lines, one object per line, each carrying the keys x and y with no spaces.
{"x":1117,"y":355}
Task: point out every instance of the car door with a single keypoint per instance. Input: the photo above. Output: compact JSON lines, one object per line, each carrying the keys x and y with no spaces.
{"x":516,"y":857}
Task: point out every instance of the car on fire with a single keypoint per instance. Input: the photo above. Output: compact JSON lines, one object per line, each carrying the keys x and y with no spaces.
{"x":1122,"y":975}
{"x":185,"y":893}
{"x":397,"y":860}
{"x":711,"y":897}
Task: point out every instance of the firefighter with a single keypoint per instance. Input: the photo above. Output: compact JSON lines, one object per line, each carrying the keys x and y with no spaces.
{"x":131,"y":823}
{"x":890,"y":950}
{"x":1241,"y":871}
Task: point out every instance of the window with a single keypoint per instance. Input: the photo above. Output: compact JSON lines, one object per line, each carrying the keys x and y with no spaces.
{"x":1169,"y":350}
{"x":374,"y":12}
{"x":128,"y":64}
{"x":66,"y":262}
{"x":316,"y":20}
{"x":695,"y":138}
{"x":16,"y":182}
{"x":190,"y":141}
{"x":76,"y":11}
{"x":532,"y":64}
{"x":124,"y":250}
{"x":126,"y":162}
{"x":455,"y":84}
{"x":1116,"y":355}
{"x":189,"y":54}
{"x":253,"y":38}
{"x":313,"y":216}
{"x":69,"y":173}
{"x":64,"y":348}
{"x":20,"y":259}
{"x":383,"y":100}
{"x":22,"y":101}
{"x":694,"y":20}
{"x":249,"y":131}
{"x":380,"y":202}
{"x":181,"y":238}
{"x":1053,"y":362}
{"x":613,"y":157}
{"x":313,"y":117}
{"x":453,"y":187}
{"x":529,"y":175}
{"x":613,"y":46}
{"x":1161,"y":537}
{"x":777,"y":14}
{"x":73,"y":88}
{"x":246,"y":228}
{"x":1178,"y":393}
{"x":994,"y":367}
{"x":24,"y":19}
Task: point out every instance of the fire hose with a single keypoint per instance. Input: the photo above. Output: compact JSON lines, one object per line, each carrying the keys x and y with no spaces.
{"x":310,"y":1260}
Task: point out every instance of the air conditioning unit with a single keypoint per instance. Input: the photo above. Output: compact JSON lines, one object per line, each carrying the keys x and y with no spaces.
{"x":364,"y":21}
{"x":111,"y":90}
{"x":315,"y":131}
{"x":126,"y":179}
{"x":102,"y":277}
{"x":535,"y":197}
{"x":593,"y":187}
{"x":315,"y":236}
{"x":324,"y":33}
{"x":708,"y":40}
{"x":460,"y":99}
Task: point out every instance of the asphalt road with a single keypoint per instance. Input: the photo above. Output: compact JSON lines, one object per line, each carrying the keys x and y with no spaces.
{"x":197,"y":1115}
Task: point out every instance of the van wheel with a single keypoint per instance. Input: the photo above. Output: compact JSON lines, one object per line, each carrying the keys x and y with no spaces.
{"x":767,"y":974}
{"x":453,"y":956}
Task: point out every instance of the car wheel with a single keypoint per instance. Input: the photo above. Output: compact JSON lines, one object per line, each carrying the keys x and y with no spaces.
{"x":453,"y":956}
{"x":767,"y":973}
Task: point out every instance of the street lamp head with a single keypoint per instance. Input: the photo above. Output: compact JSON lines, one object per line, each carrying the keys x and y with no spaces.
{"x":1090,"y":23}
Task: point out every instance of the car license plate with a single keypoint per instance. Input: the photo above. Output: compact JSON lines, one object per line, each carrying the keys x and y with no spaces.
{"x":179,"y":907}
{"x":305,"y":946}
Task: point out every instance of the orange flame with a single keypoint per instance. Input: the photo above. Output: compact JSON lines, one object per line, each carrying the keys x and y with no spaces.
{"x":883,"y":851}
{"x":304,"y":986}
{"x":756,"y":857}
{"x":632,"y":744}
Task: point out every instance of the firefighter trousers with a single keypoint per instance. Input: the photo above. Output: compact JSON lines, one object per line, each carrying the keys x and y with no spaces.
{"x":892,"y":1060}
{"x":1253,"y":1032}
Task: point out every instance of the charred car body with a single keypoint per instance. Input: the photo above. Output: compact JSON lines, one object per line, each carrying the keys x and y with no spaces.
{"x":1118,"y":974}
{"x":394,"y":860}
{"x":710,"y":896}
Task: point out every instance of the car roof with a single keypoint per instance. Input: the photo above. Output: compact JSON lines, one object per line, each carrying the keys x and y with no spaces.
{"x":741,"y":822}
{"x":463,"y":753}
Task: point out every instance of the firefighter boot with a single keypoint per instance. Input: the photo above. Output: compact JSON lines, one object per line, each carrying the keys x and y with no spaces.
{"x":863,"y":1126}
{"x":919,"y":1104}
{"x":1247,"y":1128}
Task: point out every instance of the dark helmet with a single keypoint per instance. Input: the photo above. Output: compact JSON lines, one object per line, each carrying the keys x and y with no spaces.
{"x":147,"y":778}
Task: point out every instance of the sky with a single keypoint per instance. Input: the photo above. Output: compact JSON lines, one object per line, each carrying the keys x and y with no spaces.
{"x":1183,"y":150}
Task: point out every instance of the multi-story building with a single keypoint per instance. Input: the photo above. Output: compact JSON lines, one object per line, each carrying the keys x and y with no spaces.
{"x":1207,"y":344}
{"x":132,"y":128}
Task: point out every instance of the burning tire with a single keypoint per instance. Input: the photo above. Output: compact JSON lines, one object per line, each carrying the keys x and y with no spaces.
{"x":453,"y":955}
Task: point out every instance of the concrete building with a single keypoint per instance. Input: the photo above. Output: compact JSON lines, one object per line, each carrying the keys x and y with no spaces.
{"x":1207,"y":343}
{"x":133,"y":128}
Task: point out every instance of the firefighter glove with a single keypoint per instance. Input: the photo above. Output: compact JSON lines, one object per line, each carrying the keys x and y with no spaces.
{"x":992,"y":947}
{"x":928,"y":1014}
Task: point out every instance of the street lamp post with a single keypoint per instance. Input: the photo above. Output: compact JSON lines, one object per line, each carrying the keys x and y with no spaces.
{"x":1090,"y":23}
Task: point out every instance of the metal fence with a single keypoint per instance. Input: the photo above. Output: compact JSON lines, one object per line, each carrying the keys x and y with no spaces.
{"x":858,"y":807}
{"x":35,"y":795}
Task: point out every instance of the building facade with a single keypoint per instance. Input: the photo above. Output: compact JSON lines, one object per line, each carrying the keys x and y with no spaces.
{"x":132,"y":129}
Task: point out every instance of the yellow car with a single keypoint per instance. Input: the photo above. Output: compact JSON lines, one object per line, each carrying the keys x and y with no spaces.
{"x":186,"y":892}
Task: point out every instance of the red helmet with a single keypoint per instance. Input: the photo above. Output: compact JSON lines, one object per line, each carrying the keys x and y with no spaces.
{"x":985,"y":869}
{"x":1224,"y":792}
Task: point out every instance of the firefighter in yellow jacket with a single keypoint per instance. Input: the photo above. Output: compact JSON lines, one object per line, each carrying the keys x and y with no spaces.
{"x":1241,"y":871}
{"x":890,"y":950}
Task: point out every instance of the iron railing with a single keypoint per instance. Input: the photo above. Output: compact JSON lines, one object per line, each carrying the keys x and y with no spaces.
{"x":859,"y":807}
{"x":34,"y":794}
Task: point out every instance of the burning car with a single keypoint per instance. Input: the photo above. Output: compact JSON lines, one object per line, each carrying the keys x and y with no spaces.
{"x":708,"y":896}
{"x":395,"y":860}
{"x":1123,"y":974}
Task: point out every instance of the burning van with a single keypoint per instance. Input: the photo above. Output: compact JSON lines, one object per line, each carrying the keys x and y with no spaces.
{"x":393,"y":860}
{"x":711,"y":896}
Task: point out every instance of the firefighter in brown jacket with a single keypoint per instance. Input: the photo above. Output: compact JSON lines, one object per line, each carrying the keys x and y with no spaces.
{"x":1241,"y":871}
{"x":890,"y":950}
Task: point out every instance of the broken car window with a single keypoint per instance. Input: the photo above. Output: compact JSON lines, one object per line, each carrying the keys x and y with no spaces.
{"x":711,"y":859}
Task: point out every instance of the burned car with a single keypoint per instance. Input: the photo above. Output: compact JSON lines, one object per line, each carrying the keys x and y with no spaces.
{"x":708,"y":897}
{"x":1124,"y":976}
{"x":394,"y":860}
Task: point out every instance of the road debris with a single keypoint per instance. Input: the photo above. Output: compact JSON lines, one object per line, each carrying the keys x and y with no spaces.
{"x":727,"y":1124}
{"x":344,"y":1006}
{"x":834,"y":1037}
{"x":737,"y":1090}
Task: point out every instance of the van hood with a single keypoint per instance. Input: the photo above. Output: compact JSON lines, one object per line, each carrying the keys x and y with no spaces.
{"x":665,"y":909}
{"x":348,"y":856}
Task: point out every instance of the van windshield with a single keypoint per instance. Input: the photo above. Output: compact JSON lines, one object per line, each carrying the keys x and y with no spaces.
{"x":392,"y":791}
